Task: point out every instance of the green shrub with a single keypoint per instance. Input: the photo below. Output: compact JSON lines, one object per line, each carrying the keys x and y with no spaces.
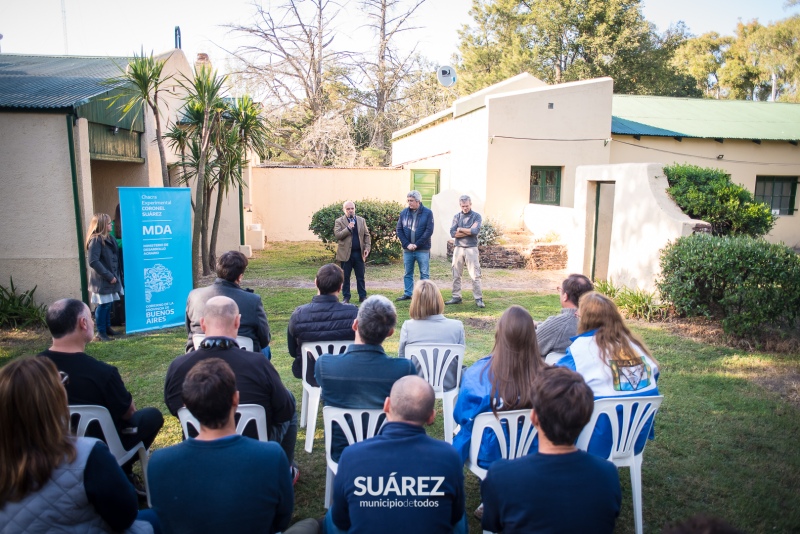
{"x":19,"y":310}
{"x":745,"y":281}
{"x":709,"y":194}
{"x":491,"y":232}
{"x":634,"y":303}
{"x":381,"y":220}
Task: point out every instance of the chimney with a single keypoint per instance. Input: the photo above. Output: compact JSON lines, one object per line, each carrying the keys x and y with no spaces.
{"x":202,"y":62}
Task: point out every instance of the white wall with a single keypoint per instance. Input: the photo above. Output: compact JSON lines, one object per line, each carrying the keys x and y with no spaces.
{"x":742,"y":159}
{"x":645,"y":219}
{"x":38,"y":239}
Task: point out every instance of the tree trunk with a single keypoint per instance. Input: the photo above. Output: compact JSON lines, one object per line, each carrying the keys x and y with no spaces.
{"x":198,"y":251}
{"x":215,"y":229}
{"x":204,"y":231}
{"x":160,"y":140}
{"x":774,"y":94}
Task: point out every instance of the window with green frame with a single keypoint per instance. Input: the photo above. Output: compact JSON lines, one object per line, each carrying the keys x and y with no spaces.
{"x":545,"y":185}
{"x":778,"y":192}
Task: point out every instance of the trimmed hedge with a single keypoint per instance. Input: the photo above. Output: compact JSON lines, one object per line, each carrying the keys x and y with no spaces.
{"x":748,"y":283}
{"x":381,"y":220}
{"x":709,"y":194}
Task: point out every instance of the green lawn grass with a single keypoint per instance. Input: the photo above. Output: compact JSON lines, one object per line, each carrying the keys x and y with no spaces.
{"x":724,"y":445}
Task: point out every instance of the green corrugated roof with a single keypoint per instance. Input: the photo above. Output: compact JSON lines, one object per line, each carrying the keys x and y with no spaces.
{"x":704,"y":118}
{"x":53,"y":82}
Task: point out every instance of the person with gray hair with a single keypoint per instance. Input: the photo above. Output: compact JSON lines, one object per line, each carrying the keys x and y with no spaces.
{"x":465,"y":229}
{"x":257,"y":380}
{"x":363,"y":375}
{"x":352,"y":249}
{"x":414,"y":229}
{"x":435,"y":484}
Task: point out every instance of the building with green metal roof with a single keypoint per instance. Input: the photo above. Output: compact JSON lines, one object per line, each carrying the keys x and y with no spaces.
{"x":533,"y":153}
{"x":64,"y":152}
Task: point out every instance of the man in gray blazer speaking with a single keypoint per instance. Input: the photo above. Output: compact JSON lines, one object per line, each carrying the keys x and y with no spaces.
{"x":354,"y":244}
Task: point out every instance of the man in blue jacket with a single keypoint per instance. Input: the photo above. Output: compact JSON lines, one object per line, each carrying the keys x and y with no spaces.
{"x":414,"y":229}
{"x":402,"y":480}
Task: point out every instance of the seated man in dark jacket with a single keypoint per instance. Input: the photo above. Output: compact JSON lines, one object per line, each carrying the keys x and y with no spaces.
{"x":257,"y":380}
{"x":230,"y":269}
{"x":324,"y":319}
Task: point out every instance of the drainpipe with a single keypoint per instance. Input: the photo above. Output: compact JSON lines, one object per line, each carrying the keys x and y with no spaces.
{"x":241,"y":211}
{"x":76,"y":203}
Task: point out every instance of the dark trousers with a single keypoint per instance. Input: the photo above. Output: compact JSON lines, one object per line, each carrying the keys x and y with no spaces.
{"x":355,"y":263}
{"x":142,"y":426}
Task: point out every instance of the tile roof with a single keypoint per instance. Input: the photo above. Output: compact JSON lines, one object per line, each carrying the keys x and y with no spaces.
{"x":704,"y":118}
{"x":53,"y":82}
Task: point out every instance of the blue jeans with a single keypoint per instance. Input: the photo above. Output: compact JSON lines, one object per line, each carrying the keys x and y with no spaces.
{"x":423,"y":258}
{"x":102,"y":317}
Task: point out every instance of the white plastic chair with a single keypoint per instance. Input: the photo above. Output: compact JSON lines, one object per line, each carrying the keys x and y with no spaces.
{"x":248,"y":412}
{"x":344,"y":417}
{"x":244,"y":342}
{"x":87,"y":413}
{"x":312,"y":394}
{"x":434,"y":360}
{"x":521,"y":433}
{"x":626,"y":426}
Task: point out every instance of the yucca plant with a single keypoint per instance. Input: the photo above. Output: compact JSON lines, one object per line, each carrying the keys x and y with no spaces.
{"x":19,"y":310}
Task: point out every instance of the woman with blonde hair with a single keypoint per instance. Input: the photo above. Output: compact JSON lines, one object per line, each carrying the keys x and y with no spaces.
{"x":104,"y":277}
{"x":501,"y":381}
{"x":49,"y":480}
{"x":428,"y":325}
{"x":614,"y":361}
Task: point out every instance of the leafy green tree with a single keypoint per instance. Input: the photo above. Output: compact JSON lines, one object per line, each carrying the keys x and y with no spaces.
{"x":743,"y":75}
{"x":701,"y":58}
{"x":139,"y":85}
{"x":566,"y":40}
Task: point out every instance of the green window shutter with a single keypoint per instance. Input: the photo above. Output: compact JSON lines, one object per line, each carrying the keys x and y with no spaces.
{"x":426,"y":181}
{"x":778,"y":192}
{"x":545,"y":185}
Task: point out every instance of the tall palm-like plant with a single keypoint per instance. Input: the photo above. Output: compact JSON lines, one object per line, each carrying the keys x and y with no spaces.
{"x":139,"y":85}
{"x":205,"y":92}
{"x":231,"y":155}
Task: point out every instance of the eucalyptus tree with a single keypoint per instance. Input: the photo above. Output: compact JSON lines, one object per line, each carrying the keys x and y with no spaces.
{"x":138,"y":86}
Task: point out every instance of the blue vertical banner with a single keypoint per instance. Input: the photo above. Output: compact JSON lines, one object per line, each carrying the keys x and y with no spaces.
{"x":157,"y":248}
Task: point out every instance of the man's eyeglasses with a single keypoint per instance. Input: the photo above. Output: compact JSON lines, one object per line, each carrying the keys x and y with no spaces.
{"x":64,"y":377}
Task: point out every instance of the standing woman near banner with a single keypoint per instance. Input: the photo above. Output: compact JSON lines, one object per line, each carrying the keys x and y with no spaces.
{"x":104,"y":278}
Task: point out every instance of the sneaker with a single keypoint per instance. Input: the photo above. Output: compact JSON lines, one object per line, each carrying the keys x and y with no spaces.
{"x":110,"y":332}
{"x":346,"y":300}
{"x":138,"y":485}
{"x":102,"y":337}
{"x":295,"y":474}
{"x":479,"y":512}
{"x":453,"y":301}
{"x":402,"y":297}
{"x":479,"y":303}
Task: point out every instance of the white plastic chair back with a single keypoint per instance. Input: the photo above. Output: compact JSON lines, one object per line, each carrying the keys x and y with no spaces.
{"x":312,"y":394}
{"x":521,"y":434}
{"x":553,"y":357}
{"x":244,"y":342}
{"x":87,"y":413}
{"x":627,"y":424}
{"x":344,"y":418}
{"x":248,"y":412}
{"x":434,"y":360}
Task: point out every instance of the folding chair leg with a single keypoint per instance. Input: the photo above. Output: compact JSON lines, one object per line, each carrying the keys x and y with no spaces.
{"x":144,"y":457}
{"x":311,"y":422}
{"x":449,"y":422}
{"x":304,"y":409}
{"x":636,"y":489}
{"x":328,"y":488}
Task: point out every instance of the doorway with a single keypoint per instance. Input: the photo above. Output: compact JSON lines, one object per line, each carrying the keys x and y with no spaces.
{"x":427,"y":183}
{"x":600,"y":218}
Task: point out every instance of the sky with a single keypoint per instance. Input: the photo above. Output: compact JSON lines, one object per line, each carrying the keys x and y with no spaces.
{"x":114,"y":27}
